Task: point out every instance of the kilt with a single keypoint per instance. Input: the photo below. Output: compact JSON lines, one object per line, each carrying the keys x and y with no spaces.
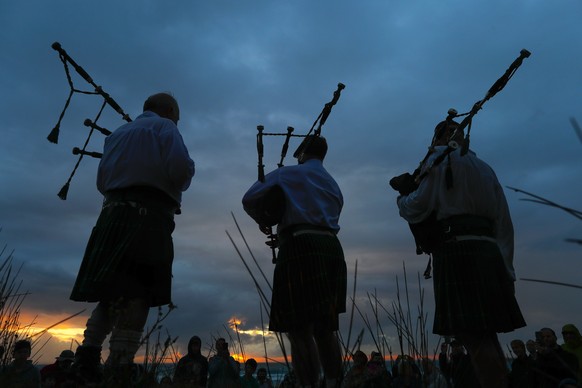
{"x":129,"y":254}
{"x":474,"y":293}
{"x":309,"y":283}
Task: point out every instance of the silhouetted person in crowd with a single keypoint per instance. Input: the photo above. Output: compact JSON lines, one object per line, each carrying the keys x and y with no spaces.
{"x":522,"y":372}
{"x":20,"y":373}
{"x":248,"y":380}
{"x":553,"y":364}
{"x":432,"y":377}
{"x":310,"y":278}
{"x":127,"y":266}
{"x":264,"y":381}
{"x":358,"y":373}
{"x":472,"y":251}
{"x":573,"y":344}
{"x":378,"y":375}
{"x":289,"y":380}
{"x":59,"y":373}
{"x":457,"y":367}
{"x":222,"y":368}
{"x":192,"y":369}
{"x":407,"y":373}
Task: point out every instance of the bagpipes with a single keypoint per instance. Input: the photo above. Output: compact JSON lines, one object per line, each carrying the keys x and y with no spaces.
{"x":425,"y":233}
{"x":53,"y":137}
{"x":274,"y":203}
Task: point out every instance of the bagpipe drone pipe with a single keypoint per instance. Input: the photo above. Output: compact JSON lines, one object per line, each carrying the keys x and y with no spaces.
{"x":426,"y":234}
{"x":273,"y":205}
{"x":53,"y":137}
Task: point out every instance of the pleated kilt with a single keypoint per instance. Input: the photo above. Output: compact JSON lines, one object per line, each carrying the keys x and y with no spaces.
{"x":129,"y":253}
{"x":473,"y":290}
{"x":309,"y":283}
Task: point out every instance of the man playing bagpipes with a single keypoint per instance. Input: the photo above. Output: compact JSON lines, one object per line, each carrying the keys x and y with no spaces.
{"x":458,"y":213}
{"x":310,"y":279}
{"x":472,"y":251}
{"x":127,"y":266}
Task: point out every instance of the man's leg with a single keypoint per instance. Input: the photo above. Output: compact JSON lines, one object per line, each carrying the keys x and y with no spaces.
{"x":88,"y":355}
{"x":99,"y":325}
{"x":304,"y":357}
{"x":126,"y":334}
{"x":487,"y":358}
{"x":330,"y":356}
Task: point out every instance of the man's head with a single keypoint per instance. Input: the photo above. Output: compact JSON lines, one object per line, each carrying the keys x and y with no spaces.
{"x":518,"y":348}
{"x":312,"y":147}
{"x":250,"y":366}
{"x":165,"y":105}
{"x":261,"y":374}
{"x":194,"y":345}
{"x":360,"y":358}
{"x":446,"y":131}
{"x":22,"y":350}
{"x":376,"y":358}
{"x":571,"y":335}
{"x":66,"y":358}
{"x":548,"y":338}
{"x":221,"y":346}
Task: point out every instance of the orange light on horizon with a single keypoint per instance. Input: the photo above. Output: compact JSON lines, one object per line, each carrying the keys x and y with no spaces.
{"x":238,"y":357}
{"x":67,"y":333}
{"x":70,"y":329}
{"x":234,"y":322}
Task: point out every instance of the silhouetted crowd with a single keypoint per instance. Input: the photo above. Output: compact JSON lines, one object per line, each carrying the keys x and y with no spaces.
{"x":539,"y":362}
{"x":536,"y":363}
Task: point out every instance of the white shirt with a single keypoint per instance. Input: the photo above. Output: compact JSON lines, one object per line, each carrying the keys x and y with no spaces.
{"x":148,"y":151}
{"x":476,"y":191}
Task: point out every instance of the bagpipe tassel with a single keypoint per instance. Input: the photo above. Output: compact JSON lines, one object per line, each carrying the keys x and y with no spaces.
{"x":53,"y":137}
{"x":64,"y":191}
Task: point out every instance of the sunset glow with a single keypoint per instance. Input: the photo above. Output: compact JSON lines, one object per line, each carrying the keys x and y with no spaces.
{"x":65,"y":334}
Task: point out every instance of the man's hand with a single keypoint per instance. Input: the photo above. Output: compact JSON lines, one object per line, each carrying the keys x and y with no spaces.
{"x":267,"y":230}
{"x":404,"y":184}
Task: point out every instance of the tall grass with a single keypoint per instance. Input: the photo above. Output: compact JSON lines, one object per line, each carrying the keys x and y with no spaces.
{"x":405,"y":314}
{"x":11,"y":299}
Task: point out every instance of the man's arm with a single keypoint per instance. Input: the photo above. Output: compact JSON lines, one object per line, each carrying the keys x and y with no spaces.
{"x":254,"y":199}
{"x":418,"y":205}
{"x":177,"y":162}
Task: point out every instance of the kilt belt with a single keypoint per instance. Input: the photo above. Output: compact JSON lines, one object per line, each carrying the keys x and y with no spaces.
{"x":142,"y":198}
{"x":301,"y":229}
{"x":467,"y":227}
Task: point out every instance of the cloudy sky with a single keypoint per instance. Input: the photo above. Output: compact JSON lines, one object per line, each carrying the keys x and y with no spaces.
{"x":233,"y":65}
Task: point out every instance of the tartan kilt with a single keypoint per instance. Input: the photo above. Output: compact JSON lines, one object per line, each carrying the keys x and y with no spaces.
{"x":309,"y":283}
{"x":129,"y":255}
{"x":474,"y":293}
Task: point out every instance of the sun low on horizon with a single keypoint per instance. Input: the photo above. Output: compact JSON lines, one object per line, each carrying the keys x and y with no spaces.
{"x":51,"y":334}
